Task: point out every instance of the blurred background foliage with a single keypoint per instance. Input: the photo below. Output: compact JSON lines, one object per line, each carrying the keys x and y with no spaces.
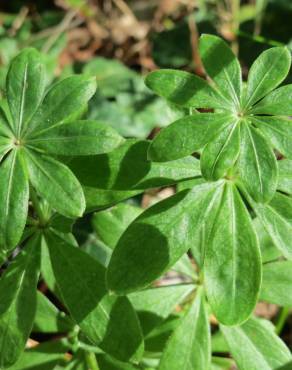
{"x":119,"y":42}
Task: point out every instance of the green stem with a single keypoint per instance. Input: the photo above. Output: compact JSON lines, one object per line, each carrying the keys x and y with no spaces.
{"x":91,"y":361}
{"x":284,"y":313}
{"x":36,"y":206}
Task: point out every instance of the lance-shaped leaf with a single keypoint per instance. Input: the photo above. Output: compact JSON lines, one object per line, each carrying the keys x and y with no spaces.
{"x":126,"y":171}
{"x":266,"y":73}
{"x":187,"y":135}
{"x":226,"y":71}
{"x":278,"y":130}
{"x":155,"y":304}
{"x":62,"y":102}
{"x":276,"y":218}
{"x":13,"y":200}
{"x":56,"y":184}
{"x":18,"y":302}
{"x":257,"y":165}
{"x":255,"y":346}
{"x":25,"y":87}
{"x":111,"y":223}
{"x":109,"y":321}
{"x":166,"y":231}
{"x":185,"y":89}
{"x":277,"y":283}
{"x":278,"y":102}
{"x":232,"y":264}
{"x":221,"y":153}
{"x":76,"y":138}
{"x":189,"y":347}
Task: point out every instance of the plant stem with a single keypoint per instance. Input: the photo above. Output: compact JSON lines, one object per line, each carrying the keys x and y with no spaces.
{"x":91,"y":361}
{"x":284,"y":313}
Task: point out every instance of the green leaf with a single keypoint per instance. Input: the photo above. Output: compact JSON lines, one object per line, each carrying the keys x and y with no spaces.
{"x":45,"y":356}
{"x":25,"y":87}
{"x":268,"y":250}
{"x":111,"y":223}
{"x":185,"y":136}
{"x":232,"y":264}
{"x":220,"y":154}
{"x":76,"y":138}
{"x":255,"y":346}
{"x":285,"y":176}
{"x":18,"y":303}
{"x":257,"y":165}
{"x":278,"y":102}
{"x":14,"y":192}
{"x":56,"y":183}
{"x":81,"y":280}
{"x":166,"y":232}
{"x":185,"y":89}
{"x":222,"y":66}
{"x":125,"y":172}
{"x":189,"y":347}
{"x":62,"y":102}
{"x":155,"y":304}
{"x":266,"y":73}
{"x":48,"y":318}
{"x":276,"y":218}
{"x":277,"y":130}
{"x":277,"y":283}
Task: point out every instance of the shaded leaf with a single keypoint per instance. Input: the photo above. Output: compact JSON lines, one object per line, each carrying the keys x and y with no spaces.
{"x":18,"y":303}
{"x":111,"y":223}
{"x":166,"y":231}
{"x":80,"y":279}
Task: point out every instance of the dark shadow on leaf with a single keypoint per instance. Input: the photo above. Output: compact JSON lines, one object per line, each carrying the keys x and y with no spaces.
{"x":123,"y":337}
{"x":288,"y":366}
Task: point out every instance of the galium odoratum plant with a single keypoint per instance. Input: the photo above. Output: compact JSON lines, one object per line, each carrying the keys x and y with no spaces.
{"x":235,"y":140}
{"x":35,"y":127}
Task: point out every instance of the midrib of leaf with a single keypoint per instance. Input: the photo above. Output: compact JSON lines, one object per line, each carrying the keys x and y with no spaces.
{"x":234,"y":95}
{"x":9,"y":188}
{"x":256,"y":158}
{"x":224,"y":145}
{"x":261,"y":82}
{"x":85,"y":288}
{"x":234,"y":244}
{"x":23,"y":92}
{"x":193,"y":334}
